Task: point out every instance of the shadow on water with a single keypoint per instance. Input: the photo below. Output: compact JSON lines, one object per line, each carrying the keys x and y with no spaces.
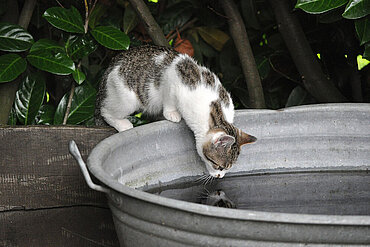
{"x":332,"y":193}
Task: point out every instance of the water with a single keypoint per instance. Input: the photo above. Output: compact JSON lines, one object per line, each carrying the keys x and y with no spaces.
{"x":335,"y":193}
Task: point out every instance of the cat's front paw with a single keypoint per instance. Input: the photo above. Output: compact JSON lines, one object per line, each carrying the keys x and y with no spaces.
{"x":173,"y":116}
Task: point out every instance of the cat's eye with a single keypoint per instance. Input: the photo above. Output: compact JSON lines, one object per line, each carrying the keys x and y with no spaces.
{"x":214,"y":163}
{"x":215,"y":166}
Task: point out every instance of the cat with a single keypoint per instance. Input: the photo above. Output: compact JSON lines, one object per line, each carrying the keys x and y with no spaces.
{"x":218,"y":198}
{"x":158,"y":80}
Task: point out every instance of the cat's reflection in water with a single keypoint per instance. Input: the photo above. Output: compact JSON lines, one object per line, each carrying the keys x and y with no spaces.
{"x":217,"y":198}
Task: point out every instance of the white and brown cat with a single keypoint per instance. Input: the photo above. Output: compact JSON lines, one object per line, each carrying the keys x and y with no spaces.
{"x":158,"y":80}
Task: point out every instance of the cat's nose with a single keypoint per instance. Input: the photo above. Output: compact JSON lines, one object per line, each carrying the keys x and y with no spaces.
{"x":218,"y":175}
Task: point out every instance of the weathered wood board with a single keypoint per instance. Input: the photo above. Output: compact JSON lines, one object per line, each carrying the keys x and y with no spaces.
{"x":44,"y":200}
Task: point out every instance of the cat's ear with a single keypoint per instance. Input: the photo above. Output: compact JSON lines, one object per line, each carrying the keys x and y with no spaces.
{"x":244,"y":138}
{"x":224,"y":141}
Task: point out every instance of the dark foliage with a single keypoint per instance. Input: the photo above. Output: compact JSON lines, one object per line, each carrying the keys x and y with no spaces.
{"x":67,"y":48}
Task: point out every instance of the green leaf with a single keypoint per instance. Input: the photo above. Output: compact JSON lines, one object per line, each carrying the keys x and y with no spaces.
{"x":12,"y":119}
{"x":46,"y":44}
{"x":215,"y":37}
{"x":362,"y":62}
{"x":331,"y":16}
{"x":249,"y":12}
{"x":97,"y":14}
{"x":272,"y":101}
{"x":175,"y":16}
{"x":299,"y":96}
{"x":206,"y":49}
{"x":136,"y":121}
{"x":197,"y":50}
{"x":68,"y":20}
{"x":319,"y":6}
{"x":54,"y":62}
{"x":46,"y":115}
{"x":11,"y":66}
{"x":356,"y":9}
{"x":263,"y":66}
{"x":94,"y":74}
{"x":113,"y":19}
{"x":29,"y":98}
{"x":89,"y":122}
{"x":80,"y":46}
{"x":78,"y":76}
{"x":130,"y":19}
{"x":111,"y":37}
{"x":82,"y":107}
{"x":14,"y":38}
{"x":363,"y":29}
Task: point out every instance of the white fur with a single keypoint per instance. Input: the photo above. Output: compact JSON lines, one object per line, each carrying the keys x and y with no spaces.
{"x":120,"y":103}
{"x":173,"y":99}
{"x":159,"y":59}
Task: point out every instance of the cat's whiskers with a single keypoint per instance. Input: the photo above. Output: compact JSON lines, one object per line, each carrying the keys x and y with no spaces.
{"x":206,"y":191}
{"x":201,"y":178}
{"x":209,"y":179}
{"x":205,"y":180}
{"x":202,"y":195}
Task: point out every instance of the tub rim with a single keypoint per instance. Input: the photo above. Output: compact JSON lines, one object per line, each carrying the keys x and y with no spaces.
{"x":233,"y":214}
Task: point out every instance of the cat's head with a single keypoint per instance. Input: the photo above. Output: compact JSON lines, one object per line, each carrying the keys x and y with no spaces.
{"x":221,"y":146}
{"x":221,"y":149}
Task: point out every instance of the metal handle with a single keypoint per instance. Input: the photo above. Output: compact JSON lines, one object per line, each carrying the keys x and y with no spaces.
{"x":73,"y":149}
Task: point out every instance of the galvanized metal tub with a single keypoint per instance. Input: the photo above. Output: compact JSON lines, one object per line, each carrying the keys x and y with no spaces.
{"x":318,"y":139}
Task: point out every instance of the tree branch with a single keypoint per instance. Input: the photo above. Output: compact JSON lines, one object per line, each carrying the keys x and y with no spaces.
{"x":313,"y":77}
{"x":88,"y":13}
{"x":183,"y":28}
{"x":26,"y":14}
{"x":68,"y":108}
{"x":241,"y":41}
{"x":151,"y":26}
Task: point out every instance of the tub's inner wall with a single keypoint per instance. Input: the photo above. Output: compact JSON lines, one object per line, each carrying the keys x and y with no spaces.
{"x":302,"y":138}
{"x":325,"y":138}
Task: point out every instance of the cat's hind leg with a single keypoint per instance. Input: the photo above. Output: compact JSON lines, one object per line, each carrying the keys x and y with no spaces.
{"x":116,"y":114}
{"x":119,"y":124}
{"x":119,"y":103}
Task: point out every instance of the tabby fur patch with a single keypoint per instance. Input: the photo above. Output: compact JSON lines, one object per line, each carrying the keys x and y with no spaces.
{"x":189,"y":72}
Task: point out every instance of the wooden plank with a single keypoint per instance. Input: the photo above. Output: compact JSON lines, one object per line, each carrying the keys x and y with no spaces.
{"x":71,"y":226}
{"x":39,"y":178}
{"x":36,"y":169}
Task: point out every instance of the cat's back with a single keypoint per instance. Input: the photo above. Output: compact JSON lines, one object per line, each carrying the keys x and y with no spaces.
{"x":140,"y":64}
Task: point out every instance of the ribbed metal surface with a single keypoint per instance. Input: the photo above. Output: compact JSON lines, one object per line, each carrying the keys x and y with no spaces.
{"x":319,"y":138}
